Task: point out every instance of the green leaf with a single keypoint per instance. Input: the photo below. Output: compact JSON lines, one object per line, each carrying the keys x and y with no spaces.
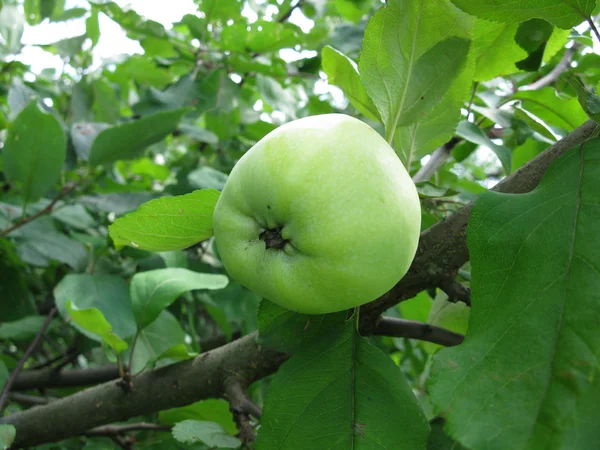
{"x":533,"y":36}
{"x":199,"y":134}
{"x":526,"y":152}
{"x":588,"y":100}
{"x":453,"y":316}
{"x":128,"y":141}
{"x":210,"y":433}
{"x":75,"y":216}
{"x":16,"y":301}
{"x":106,"y":104}
{"x":353,"y":10}
{"x":261,"y":37}
{"x":154,"y":290}
{"x":156,"y":341}
{"x":286,"y":330}
{"x":533,"y":342}
{"x":417,"y":308}
{"x":215,"y":10}
{"x":39,"y":242}
{"x":97,"y":327}
{"x":168,"y":223}
{"x":438,"y":440}
{"x":4,"y":374}
{"x":343,"y":72}
{"x":427,"y":189}
{"x":34,"y":152}
{"x":495,"y":49}
{"x":11,"y":28}
{"x":83,"y":135}
{"x":405,"y":65}
{"x":130,"y":20}
{"x":217,"y":92}
{"x":565,"y":113}
{"x":92,"y":27}
{"x":7,"y":436}
{"x":338,"y":391}
{"x":23,"y":329}
{"x":19,"y":96}
{"x":213,"y":410}
{"x":207,"y":178}
{"x":562,"y":13}
{"x":473,"y":133}
{"x":109,"y":294}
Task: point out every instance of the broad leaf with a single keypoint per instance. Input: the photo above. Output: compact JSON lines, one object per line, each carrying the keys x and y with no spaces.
{"x":93,"y":323}
{"x":107,"y":293}
{"x":7,"y":436}
{"x":427,"y":189}
{"x":533,"y":343}
{"x":407,"y":65}
{"x":154,"y":290}
{"x":156,"y":340}
{"x":338,"y":391}
{"x":23,"y":329}
{"x":285,"y":330}
{"x":128,"y":141}
{"x":343,"y":72}
{"x":562,"y":13}
{"x":213,"y":410}
{"x":210,"y":433}
{"x":495,"y":49}
{"x":473,"y":133}
{"x":16,"y":301}
{"x":168,"y":223}
{"x":34,"y":152}
{"x":555,"y":111}
{"x":11,"y":28}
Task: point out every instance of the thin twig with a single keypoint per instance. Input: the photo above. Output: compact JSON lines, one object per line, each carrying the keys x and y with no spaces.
{"x":15,"y":373}
{"x":392,"y":326}
{"x":47,"y":210}
{"x":551,"y":77}
{"x":241,"y":407}
{"x":437,"y":160}
{"x":456,"y":292}
{"x":115,"y":430}
{"x":590,"y":21}
{"x":27,"y":399}
{"x":289,"y":12}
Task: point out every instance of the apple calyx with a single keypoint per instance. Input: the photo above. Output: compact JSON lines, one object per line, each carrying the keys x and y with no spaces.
{"x":273,"y":238}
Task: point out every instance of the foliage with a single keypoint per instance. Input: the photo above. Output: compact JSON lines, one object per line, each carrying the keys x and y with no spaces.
{"x":110,"y":170}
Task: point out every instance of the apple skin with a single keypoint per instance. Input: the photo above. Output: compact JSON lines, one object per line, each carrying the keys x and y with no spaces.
{"x":343,"y":213}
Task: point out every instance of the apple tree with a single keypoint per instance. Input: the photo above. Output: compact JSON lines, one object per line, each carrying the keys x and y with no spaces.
{"x":300,"y":224}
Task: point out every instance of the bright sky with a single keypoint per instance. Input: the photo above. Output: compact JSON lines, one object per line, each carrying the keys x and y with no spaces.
{"x":113,"y":40}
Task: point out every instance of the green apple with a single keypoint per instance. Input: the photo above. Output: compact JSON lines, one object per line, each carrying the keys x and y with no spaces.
{"x":319,"y":216}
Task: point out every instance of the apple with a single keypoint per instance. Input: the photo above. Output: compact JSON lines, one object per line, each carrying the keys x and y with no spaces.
{"x":319,"y":216}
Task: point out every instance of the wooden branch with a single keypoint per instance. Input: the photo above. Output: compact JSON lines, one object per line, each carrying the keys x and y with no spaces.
{"x":15,"y":373}
{"x":115,"y":430}
{"x":168,"y":387}
{"x":442,"y":251}
{"x":240,"y":406}
{"x":48,"y":378}
{"x":391,"y":326}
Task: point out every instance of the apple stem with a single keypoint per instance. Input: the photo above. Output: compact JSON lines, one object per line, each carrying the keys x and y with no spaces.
{"x":273,"y":238}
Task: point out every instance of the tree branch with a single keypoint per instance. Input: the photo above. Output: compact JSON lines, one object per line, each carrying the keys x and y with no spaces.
{"x":112,"y":430}
{"x":551,"y":77}
{"x":437,"y":160}
{"x":15,"y":373}
{"x":391,"y":326}
{"x":442,"y":251}
{"x":241,"y":407}
{"x":49,"y":378}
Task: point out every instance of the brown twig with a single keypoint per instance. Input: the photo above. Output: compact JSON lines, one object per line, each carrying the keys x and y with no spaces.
{"x":15,"y":373}
{"x":116,"y":430}
{"x":241,"y":407}
{"x":392,"y":326}
{"x":47,"y":210}
{"x":551,"y":77}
